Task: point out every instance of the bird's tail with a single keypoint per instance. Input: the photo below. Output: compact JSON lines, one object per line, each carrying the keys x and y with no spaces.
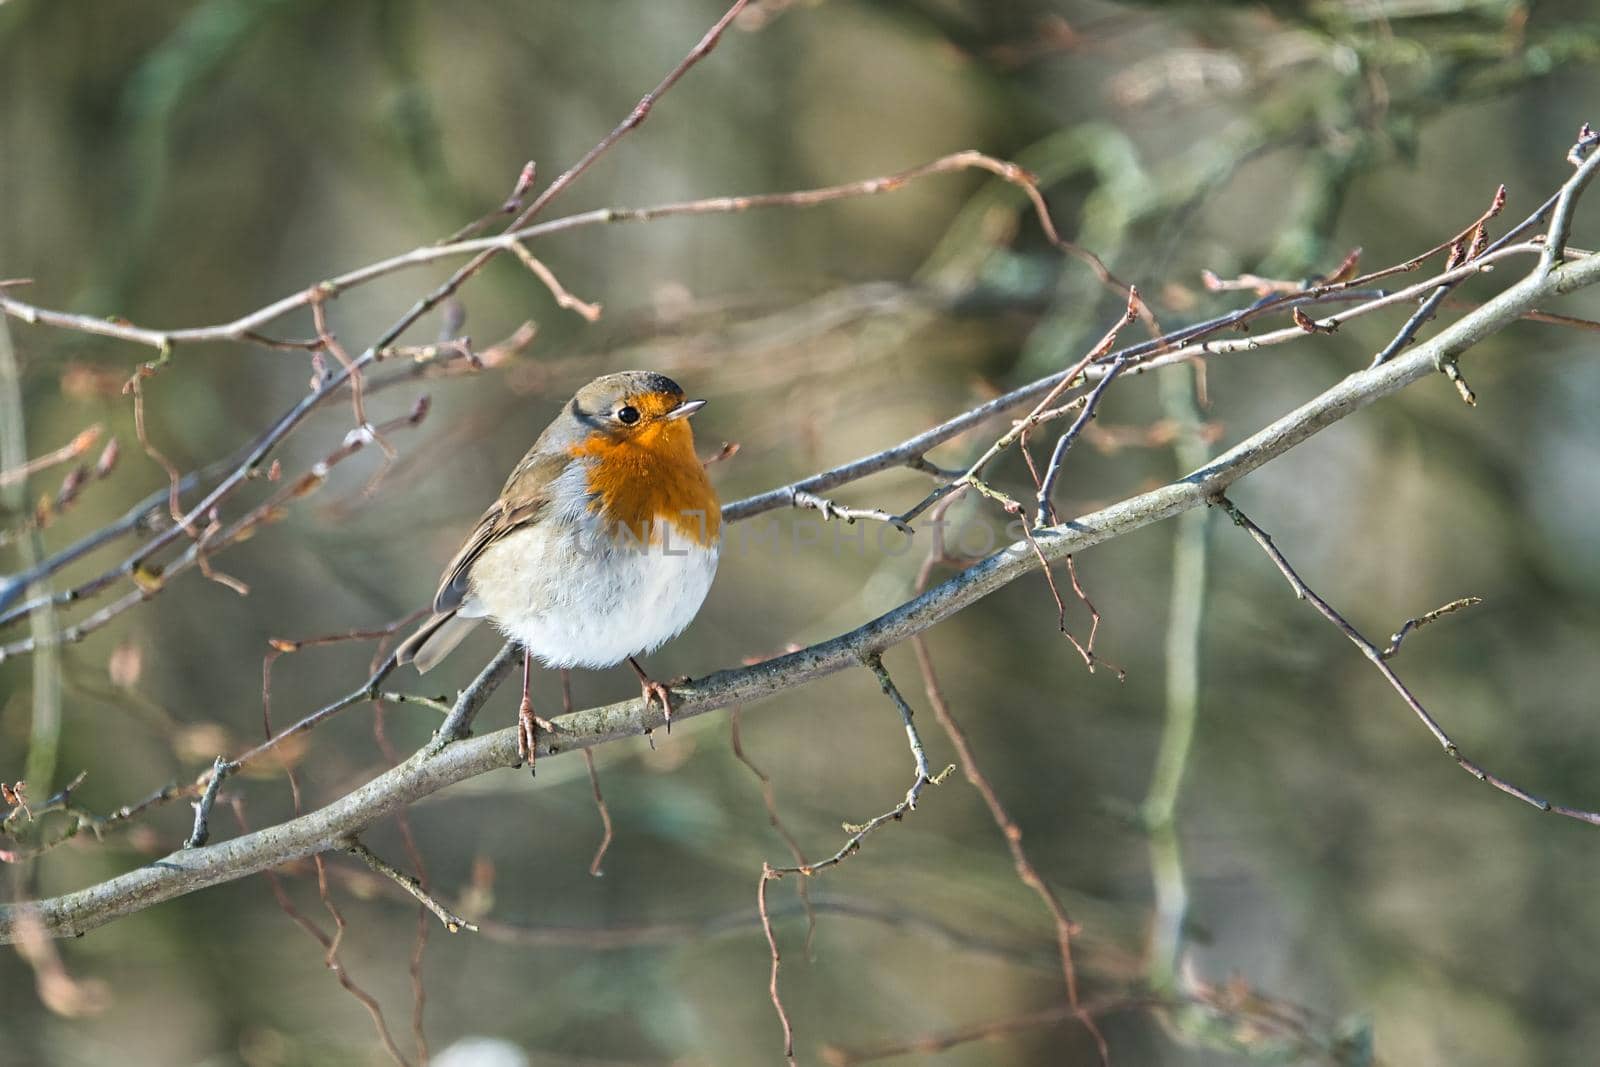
{"x":434,"y":640}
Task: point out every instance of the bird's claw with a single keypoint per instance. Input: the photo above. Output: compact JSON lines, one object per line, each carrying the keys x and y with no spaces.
{"x":652,"y":690}
{"x":527,"y":734}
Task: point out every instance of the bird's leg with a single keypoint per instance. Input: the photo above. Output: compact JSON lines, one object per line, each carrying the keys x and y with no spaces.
{"x":527,"y":721}
{"x":650,"y":689}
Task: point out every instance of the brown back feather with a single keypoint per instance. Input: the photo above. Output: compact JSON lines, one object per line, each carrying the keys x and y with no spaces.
{"x":524,"y":498}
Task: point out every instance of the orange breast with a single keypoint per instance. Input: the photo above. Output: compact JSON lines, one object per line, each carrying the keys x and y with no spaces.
{"x":655,"y":474}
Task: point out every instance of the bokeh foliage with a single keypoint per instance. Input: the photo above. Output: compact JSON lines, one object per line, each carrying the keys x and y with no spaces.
{"x":180,"y":163}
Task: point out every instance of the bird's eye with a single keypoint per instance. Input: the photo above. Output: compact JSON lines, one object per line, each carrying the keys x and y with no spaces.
{"x":628,"y":414}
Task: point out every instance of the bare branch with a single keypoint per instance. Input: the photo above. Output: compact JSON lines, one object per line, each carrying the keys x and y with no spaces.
{"x":769,"y":875}
{"x":769,"y":800}
{"x":606,"y":832}
{"x":948,"y":1039}
{"x":202,"y":807}
{"x":1422,"y":620}
{"x":858,"y":833}
{"x":442,"y":764}
{"x":1027,"y":873}
{"x":150,"y":579}
{"x":452,"y":922}
{"x":65,"y":454}
{"x":829,"y":510}
{"x":564,"y":299}
{"x":1380,"y":661}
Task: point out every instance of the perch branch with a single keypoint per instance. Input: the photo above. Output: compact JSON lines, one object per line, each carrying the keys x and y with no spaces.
{"x":441,"y":764}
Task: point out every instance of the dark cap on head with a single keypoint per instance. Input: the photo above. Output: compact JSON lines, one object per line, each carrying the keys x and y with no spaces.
{"x":604,"y":394}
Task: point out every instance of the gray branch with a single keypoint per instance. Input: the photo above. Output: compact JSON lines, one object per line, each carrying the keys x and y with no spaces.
{"x":437,"y":766}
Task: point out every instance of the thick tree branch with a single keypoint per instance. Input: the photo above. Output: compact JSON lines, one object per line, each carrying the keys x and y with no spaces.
{"x":436,"y":767}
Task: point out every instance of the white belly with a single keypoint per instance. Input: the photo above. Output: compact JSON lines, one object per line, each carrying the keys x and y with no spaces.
{"x":575,"y":600}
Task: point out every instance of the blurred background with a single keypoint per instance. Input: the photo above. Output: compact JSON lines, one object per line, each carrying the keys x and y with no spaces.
{"x":1352,"y":897}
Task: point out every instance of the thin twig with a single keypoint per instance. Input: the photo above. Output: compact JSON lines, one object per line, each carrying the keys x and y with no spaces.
{"x":330,"y":945}
{"x":606,"y":833}
{"x":335,"y":964}
{"x":923,"y":777}
{"x":768,"y":874}
{"x":589,"y":312}
{"x":458,"y":724}
{"x":331,"y":345}
{"x":769,"y":800}
{"x":408,"y":840}
{"x":829,"y":510}
{"x":932,"y":1044}
{"x":1461,"y":250}
{"x":1027,"y":873}
{"x":512,"y":204}
{"x":441,"y":764}
{"x":1050,"y":387}
{"x":858,"y":832}
{"x":150,"y":581}
{"x":1422,"y":620}
{"x":1046,"y":512}
{"x":202,"y":807}
{"x":65,"y":454}
{"x":135,"y":387}
{"x":452,"y":922}
{"x":1372,"y":652}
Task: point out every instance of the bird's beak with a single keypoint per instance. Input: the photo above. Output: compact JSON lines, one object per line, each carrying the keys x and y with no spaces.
{"x":685,"y":409}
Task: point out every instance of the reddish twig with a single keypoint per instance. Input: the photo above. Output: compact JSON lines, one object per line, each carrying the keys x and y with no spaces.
{"x":72,"y":487}
{"x":943,"y":1041}
{"x":135,"y":387}
{"x":151,"y":579}
{"x":336,"y":965}
{"x":1027,"y":873}
{"x":858,"y":832}
{"x":606,"y":832}
{"x":1048,"y":390}
{"x":330,"y":945}
{"x":768,"y":874}
{"x":202,"y":556}
{"x":769,"y":800}
{"x":408,"y":841}
{"x":65,"y":454}
{"x":1469,"y":244}
{"x":330,"y":344}
{"x":636,"y":117}
{"x":1094,"y":622}
{"x":512,"y":204}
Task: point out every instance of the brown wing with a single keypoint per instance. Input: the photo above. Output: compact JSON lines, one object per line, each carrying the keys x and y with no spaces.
{"x":524,"y":498}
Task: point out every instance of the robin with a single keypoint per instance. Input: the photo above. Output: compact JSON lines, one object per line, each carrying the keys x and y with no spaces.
{"x":601,"y":547}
